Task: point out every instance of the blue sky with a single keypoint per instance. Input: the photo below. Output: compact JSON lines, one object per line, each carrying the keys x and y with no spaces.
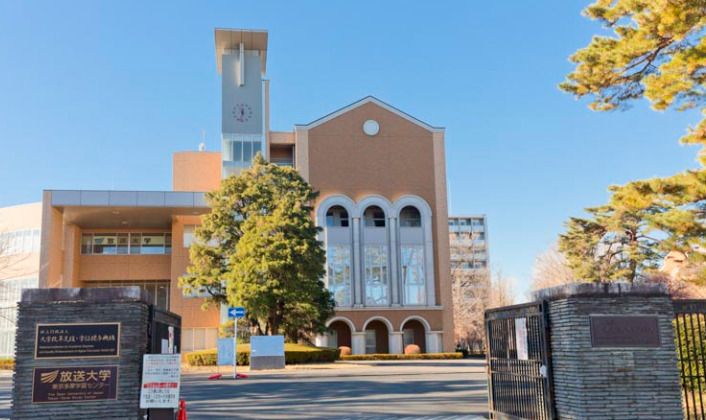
{"x":97,"y":95}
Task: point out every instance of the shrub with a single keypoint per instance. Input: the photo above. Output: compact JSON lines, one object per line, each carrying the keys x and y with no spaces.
{"x":412,"y":349}
{"x":421,"y":356}
{"x":345,"y":351}
{"x":7,"y":363}
{"x":202,"y":358}
{"x":293,"y":354}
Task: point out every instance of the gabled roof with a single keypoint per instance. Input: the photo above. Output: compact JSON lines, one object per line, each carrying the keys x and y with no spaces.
{"x":376,"y":101}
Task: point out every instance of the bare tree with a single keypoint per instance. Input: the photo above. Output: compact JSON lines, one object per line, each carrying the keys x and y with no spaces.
{"x":501,"y":291}
{"x":550,"y":269}
{"x":470,"y":299}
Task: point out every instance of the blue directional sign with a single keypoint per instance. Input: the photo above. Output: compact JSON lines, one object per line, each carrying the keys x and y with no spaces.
{"x":236,"y":312}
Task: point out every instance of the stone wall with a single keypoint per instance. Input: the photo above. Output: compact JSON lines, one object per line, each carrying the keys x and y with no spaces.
{"x":611,"y":382}
{"x":125,"y":305}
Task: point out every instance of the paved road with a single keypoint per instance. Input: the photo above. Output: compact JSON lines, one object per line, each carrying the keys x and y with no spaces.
{"x":430,"y":389}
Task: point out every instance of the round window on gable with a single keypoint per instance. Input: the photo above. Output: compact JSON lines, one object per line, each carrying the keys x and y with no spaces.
{"x":371,"y":127}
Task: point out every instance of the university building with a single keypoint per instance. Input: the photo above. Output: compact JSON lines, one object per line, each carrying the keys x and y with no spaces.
{"x":382,"y":206}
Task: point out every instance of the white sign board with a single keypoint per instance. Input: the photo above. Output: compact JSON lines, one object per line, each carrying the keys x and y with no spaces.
{"x":160,"y":381}
{"x":266,"y":345}
{"x":521,"y":338}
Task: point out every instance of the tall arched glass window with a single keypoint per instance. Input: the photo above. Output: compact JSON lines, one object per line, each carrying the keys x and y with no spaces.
{"x":412,"y":257}
{"x":337,"y":216}
{"x":410,"y":217}
{"x":374,"y":216}
{"x":338,"y":255}
{"x":375,"y":257}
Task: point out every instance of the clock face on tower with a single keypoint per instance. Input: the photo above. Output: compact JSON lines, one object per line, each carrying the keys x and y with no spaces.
{"x":242,"y":112}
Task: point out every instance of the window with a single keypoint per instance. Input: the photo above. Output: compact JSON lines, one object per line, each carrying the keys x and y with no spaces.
{"x":370,"y":342}
{"x":376,"y":283}
{"x":374,"y":217}
{"x":20,"y":241}
{"x":158,"y":289}
{"x":338,"y":258}
{"x":337,"y":216}
{"x":413,"y":274}
{"x":105,"y":243}
{"x":241,"y":148}
{"x":123,"y":243}
{"x":198,"y":338}
{"x":410,"y":217}
{"x":188,"y":235}
{"x":126,"y":243}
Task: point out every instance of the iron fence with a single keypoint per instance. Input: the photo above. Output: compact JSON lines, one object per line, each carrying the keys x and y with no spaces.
{"x":519,"y":369}
{"x":690,"y":337}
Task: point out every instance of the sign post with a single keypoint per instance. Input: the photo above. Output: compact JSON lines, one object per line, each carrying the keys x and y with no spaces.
{"x":235,"y":313}
{"x":160,"y":381}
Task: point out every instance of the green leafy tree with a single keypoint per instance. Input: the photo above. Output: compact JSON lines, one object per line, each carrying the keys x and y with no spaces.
{"x":657,"y":50}
{"x":258,"y":248}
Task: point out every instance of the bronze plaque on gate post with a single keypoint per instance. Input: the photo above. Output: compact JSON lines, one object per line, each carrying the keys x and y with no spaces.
{"x":57,"y":341}
{"x":625,"y":331}
{"x":74,"y":384}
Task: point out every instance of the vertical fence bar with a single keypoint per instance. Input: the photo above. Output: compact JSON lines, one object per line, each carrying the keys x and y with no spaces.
{"x":701,"y":361}
{"x":682,"y":362}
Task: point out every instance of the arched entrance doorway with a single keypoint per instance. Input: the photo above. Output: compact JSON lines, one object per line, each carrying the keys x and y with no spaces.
{"x":413,"y":332}
{"x":376,"y":337}
{"x":340,"y":334}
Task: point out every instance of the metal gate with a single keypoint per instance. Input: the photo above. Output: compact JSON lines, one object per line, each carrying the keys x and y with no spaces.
{"x":519,"y":369}
{"x":690,"y":336}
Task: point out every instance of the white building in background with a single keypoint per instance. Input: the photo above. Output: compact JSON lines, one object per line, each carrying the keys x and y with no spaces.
{"x":470,"y":276}
{"x":20,"y":228}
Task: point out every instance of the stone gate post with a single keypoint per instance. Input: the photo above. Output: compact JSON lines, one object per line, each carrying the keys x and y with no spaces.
{"x":613,"y":351}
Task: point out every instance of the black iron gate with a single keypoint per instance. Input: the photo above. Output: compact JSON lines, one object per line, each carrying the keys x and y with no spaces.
{"x":690,"y":336}
{"x":519,"y":368}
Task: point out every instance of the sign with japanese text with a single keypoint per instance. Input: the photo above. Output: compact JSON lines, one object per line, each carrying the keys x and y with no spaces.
{"x":161,"y":375}
{"x":54,"y":341}
{"x":521,"y":338}
{"x":74,"y":384}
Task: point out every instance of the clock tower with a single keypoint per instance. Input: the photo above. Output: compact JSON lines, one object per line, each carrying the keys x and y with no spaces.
{"x":241,"y":58}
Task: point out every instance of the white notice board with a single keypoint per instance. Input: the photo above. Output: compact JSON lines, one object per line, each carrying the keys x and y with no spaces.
{"x":521,"y":338}
{"x":266,"y":345}
{"x":161,"y":375}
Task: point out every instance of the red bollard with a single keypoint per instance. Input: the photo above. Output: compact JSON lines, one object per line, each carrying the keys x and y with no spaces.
{"x":182,"y":410}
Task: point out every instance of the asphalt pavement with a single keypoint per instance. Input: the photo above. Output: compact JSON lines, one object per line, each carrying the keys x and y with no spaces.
{"x":428,"y":389}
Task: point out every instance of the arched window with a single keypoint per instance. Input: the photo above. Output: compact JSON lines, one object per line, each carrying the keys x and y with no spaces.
{"x":337,"y":216}
{"x":410,"y":217}
{"x":374,"y":216}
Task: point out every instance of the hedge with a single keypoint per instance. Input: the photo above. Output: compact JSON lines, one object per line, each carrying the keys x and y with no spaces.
{"x":293,"y":354}
{"x":421,"y":356}
{"x":7,"y":363}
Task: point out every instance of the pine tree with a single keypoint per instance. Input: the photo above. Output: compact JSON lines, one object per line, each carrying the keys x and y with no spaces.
{"x":258,"y":248}
{"x":657,"y":51}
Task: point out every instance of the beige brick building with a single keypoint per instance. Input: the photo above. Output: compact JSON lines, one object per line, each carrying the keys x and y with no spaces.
{"x":382,"y":206}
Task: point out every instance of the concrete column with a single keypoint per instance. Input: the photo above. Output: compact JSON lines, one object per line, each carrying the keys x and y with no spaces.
{"x":357,"y":255}
{"x":429,"y":261}
{"x":396,"y":342}
{"x":394,"y":265}
{"x":358,"y":342}
{"x":433,"y":344}
{"x":613,"y":351}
